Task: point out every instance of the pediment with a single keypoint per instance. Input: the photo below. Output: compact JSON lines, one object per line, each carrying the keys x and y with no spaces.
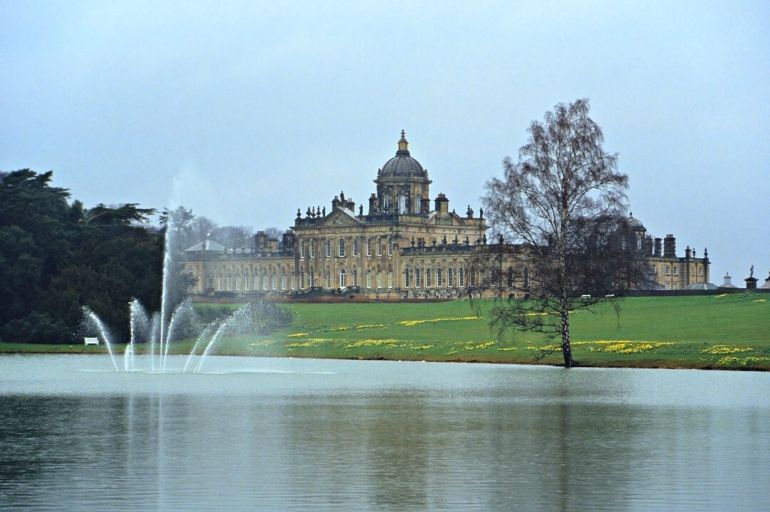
{"x":340,"y":218}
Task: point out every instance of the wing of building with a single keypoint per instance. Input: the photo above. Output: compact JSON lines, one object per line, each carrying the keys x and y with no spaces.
{"x":404,"y":246}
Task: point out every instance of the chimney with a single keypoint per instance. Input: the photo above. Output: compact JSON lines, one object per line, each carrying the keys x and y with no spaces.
{"x":658,"y":244}
{"x":372,"y":204}
{"x":647,"y":245}
{"x":669,"y":246}
{"x":260,"y":241}
{"x":442,"y":205}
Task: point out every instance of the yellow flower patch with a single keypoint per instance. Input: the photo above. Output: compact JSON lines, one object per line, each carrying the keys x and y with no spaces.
{"x":369,"y":326}
{"x":309,"y":343}
{"x":420,"y":347}
{"x":412,"y":323}
{"x":373,"y":343}
{"x":725,"y":349}
{"x":479,"y":346}
{"x":506,"y":349}
{"x":297,"y":334}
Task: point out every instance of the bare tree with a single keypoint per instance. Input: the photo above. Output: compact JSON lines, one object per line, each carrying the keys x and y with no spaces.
{"x":562,"y":205}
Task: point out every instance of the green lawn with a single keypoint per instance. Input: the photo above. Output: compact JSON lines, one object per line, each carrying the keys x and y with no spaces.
{"x":729,"y":331}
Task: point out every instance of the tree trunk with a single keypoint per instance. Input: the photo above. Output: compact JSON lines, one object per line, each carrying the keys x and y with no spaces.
{"x":566,"y":348}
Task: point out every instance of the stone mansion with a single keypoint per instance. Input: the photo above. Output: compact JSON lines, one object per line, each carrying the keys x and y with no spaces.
{"x":404,"y":246}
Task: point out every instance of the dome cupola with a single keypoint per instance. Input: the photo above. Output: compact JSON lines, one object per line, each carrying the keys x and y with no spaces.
{"x":402,"y":165}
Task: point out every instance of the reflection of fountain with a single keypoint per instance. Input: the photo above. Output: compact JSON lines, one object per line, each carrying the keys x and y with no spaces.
{"x":161,"y":329}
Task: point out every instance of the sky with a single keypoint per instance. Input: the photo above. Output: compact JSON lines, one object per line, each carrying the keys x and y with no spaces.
{"x":246,"y":111}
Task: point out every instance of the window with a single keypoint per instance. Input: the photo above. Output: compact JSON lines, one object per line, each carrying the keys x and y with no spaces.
{"x":293,"y":281}
{"x":275,"y":281}
{"x":439,"y":278}
{"x":668,"y":270}
{"x":342,"y":278}
{"x":355,"y":277}
{"x":402,"y":204}
{"x":368,"y":246}
{"x":390,"y":248}
{"x":676,"y":271}
{"x":417,"y":278}
{"x":238,"y":283}
{"x":328,"y":248}
{"x":379,"y":279}
{"x":450,"y":277}
{"x":461,"y":277}
{"x":229,"y":282}
{"x":428,"y":277}
{"x":355,"y":247}
{"x":368,"y":279}
{"x":246,"y":282}
{"x":379,"y":247}
{"x":255,"y":281}
{"x":312,"y":279}
{"x":283,"y":281}
{"x":700,"y":271}
{"x":407,"y":278}
{"x":265,"y":281}
{"x":302,"y":249}
{"x":312,"y":248}
{"x":341,"y":250}
{"x":510,"y":278}
{"x":390,"y":279}
{"x":302,"y":279}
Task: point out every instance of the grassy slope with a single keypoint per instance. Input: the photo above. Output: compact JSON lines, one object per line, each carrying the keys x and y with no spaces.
{"x":731,"y":331}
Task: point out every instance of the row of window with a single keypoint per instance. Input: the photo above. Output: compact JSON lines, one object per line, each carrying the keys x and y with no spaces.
{"x":308,"y":247}
{"x":413,"y":278}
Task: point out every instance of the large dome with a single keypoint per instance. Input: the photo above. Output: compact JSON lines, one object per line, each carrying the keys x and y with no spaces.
{"x":402,"y":165}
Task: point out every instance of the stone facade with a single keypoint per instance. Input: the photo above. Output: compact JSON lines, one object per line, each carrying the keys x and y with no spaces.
{"x":405,"y":246}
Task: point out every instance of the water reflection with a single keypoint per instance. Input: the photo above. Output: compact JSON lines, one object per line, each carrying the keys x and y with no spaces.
{"x":389,"y":437}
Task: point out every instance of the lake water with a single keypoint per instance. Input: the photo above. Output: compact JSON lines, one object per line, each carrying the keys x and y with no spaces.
{"x":294,"y":434}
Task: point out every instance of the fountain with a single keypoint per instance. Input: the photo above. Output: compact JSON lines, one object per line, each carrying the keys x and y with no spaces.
{"x":160,"y":329}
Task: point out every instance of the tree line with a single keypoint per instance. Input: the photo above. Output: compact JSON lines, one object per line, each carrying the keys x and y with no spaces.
{"x":57,"y":256}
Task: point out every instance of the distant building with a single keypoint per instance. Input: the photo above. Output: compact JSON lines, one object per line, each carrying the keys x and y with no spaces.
{"x":403,"y":244}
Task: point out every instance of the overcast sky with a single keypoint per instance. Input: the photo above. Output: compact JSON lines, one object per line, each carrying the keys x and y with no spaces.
{"x":246,"y":111}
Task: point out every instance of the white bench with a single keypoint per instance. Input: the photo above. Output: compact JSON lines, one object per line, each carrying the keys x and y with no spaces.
{"x":90,"y":341}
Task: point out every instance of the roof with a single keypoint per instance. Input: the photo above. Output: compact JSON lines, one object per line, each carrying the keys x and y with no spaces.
{"x":701,"y":286}
{"x":402,"y":165}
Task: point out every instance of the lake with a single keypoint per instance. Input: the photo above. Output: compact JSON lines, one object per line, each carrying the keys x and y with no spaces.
{"x":303,"y":434}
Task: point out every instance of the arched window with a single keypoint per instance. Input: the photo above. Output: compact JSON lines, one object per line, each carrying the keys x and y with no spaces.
{"x":428,"y":278}
{"x":302,"y":280}
{"x":355,"y":277}
{"x":390,"y":279}
{"x":368,"y":279}
{"x":379,"y":279}
{"x":450,"y":277}
{"x":417,"y":278}
{"x":407,"y":278}
{"x":265,"y":280}
{"x":461,"y":277}
{"x":283,"y":281}
{"x":439,"y":278}
{"x":342,"y":278}
{"x":275,"y":281}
